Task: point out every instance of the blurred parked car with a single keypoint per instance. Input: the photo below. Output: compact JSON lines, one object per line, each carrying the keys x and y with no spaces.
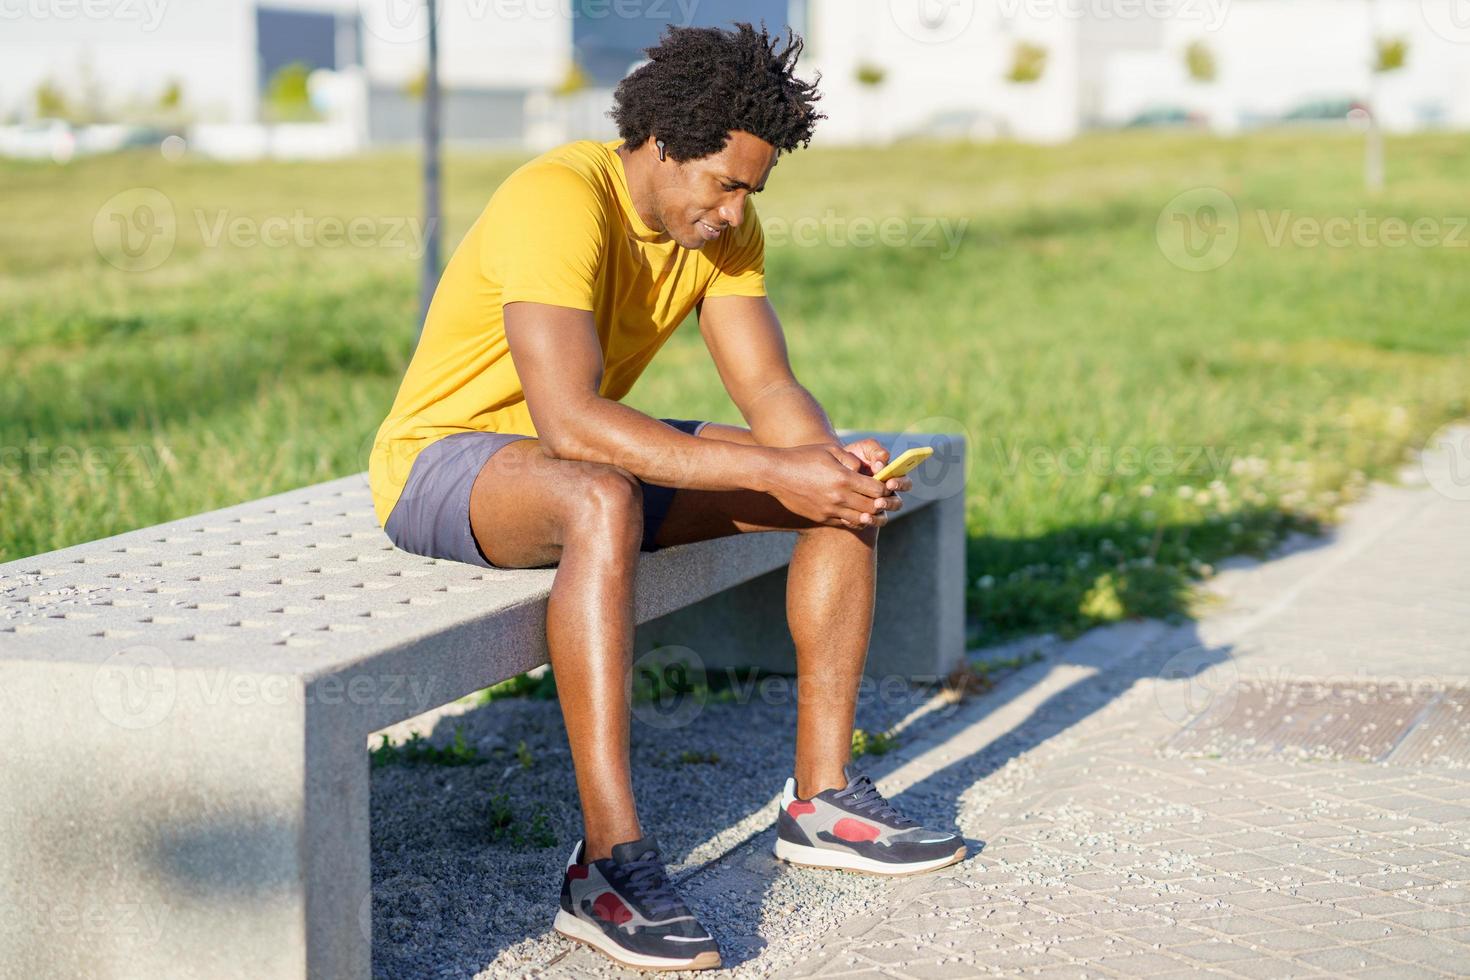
{"x":1165,"y":115}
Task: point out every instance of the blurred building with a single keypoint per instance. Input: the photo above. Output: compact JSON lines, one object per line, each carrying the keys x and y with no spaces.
{"x":531,"y":73}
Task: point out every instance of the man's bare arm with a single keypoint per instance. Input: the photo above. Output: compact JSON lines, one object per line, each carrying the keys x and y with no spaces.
{"x":559,"y":361}
{"x":745,"y":340}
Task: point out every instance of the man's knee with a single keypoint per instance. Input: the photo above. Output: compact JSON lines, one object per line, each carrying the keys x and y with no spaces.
{"x":604,"y":491}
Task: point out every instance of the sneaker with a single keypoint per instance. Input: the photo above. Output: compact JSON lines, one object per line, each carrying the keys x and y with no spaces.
{"x":856,"y":829}
{"x":624,"y":906}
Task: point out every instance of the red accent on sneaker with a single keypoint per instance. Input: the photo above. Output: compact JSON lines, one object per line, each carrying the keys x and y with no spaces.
{"x":855,"y":830}
{"x":797,"y":807}
{"x":608,"y":906}
{"x":578,"y":871}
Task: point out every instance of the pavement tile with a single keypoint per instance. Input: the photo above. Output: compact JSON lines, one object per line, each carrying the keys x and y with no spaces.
{"x":1270,"y":969}
{"x":1215,"y":952}
{"x":1252,"y":840}
{"x":1429,"y":919}
{"x":1238,"y":861}
{"x":1342,"y":959}
{"x":1425,"y":951}
{"x":1291,"y":941}
{"x":1378,"y":905}
{"x":1336,"y":891}
{"x":1169,"y":935}
{"x":1139,"y":964}
{"x":1069,"y":971}
{"x":1357,"y":930}
{"x":1309,"y":915}
{"x":1446,"y":894}
{"x":1264,"y":901}
{"x":1238,"y":925}
{"x":1221,"y":885}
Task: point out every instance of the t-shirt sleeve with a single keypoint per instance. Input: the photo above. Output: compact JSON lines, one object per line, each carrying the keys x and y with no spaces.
{"x":543,"y":238}
{"x":740,"y":267}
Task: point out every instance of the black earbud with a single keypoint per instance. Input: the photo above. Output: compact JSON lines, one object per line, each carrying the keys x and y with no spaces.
{"x":660,"y":145}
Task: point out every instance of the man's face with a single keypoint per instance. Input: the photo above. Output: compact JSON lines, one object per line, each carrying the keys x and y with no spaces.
{"x":697,"y":200}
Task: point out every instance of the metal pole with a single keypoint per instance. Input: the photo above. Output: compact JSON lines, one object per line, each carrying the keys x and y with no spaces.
{"x":1373,"y":146}
{"x":430,"y":274}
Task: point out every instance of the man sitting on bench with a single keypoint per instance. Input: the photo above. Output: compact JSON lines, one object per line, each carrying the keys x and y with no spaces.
{"x":507,"y":447}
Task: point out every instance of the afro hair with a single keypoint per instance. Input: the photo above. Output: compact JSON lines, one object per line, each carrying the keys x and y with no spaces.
{"x":702,"y":82}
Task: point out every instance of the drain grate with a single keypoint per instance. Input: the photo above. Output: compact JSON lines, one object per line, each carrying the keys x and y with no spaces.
{"x":1333,"y":722}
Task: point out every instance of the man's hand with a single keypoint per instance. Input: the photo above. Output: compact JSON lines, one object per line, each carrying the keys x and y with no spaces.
{"x":834,"y":485}
{"x":873,"y":458}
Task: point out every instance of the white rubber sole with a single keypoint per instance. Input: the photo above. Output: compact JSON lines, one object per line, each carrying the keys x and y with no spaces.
{"x":585,"y":932}
{"x":823,"y":857}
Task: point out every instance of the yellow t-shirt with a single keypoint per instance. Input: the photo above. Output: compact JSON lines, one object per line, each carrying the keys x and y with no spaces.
{"x":561,"y":230}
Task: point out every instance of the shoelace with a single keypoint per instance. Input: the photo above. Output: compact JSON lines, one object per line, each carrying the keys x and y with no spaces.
{"x":646,"y":880}
{"x":864,"y":796}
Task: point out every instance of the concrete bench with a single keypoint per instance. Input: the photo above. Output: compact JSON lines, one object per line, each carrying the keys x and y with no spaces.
{"x":185,"y":784}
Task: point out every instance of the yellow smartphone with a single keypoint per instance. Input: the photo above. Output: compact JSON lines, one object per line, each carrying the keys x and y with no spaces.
{"x":904,"y":463}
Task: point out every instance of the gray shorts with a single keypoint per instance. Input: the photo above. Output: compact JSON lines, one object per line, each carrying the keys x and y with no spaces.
{"x":432,"y":517}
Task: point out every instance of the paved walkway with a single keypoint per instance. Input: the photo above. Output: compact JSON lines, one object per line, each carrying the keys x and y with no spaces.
{"x":1280,"y":789}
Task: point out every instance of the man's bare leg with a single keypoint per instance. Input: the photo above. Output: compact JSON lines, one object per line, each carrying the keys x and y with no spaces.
{"x":529,"y":510}
{"x":830,"y":589}
{"x":829,"y":607}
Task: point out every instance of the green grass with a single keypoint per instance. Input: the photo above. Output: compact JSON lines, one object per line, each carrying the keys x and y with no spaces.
{"x":416,"y":751}
{"x":865,"y":742}
{"x":228,"y":373}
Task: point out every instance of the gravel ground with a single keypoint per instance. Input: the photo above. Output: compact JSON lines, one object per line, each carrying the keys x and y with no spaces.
{"x":451,"y":899}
